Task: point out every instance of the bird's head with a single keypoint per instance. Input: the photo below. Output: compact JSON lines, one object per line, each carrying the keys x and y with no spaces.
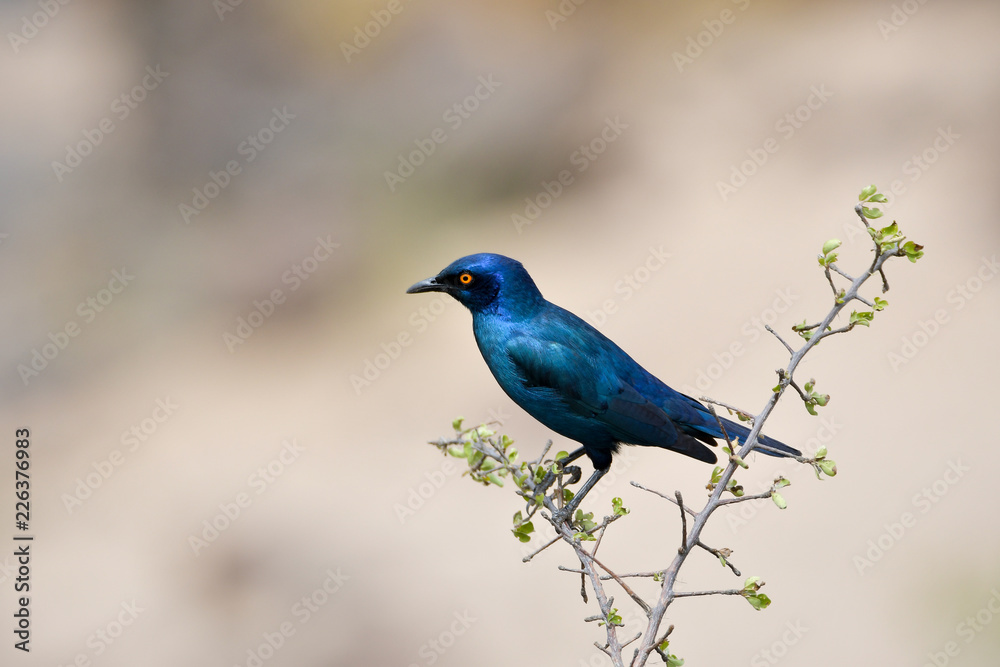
{"x":485,"y":282}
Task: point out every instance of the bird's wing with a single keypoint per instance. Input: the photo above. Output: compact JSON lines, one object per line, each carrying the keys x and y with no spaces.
{"x":589,"y":389}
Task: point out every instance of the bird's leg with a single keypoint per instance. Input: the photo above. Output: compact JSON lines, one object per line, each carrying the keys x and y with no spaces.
{"x":567,"y":512}
{"x":544,"y":485}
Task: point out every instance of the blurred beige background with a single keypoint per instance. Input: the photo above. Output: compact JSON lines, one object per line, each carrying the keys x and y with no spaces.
{"x":276,"y":123}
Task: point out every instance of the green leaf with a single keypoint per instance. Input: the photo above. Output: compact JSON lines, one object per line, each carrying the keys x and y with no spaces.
{"x":778,"y":500}
{"x":523,"y":531}
{"x":734,"y":488}
{"x":457,"y":424}
{"x":717,"y":474}
{"x":863,"y":318}
{"x":494,"y":478}
{"x":567,"y":495}
{"x":820,"y":453}
{"x":612,"y":618}
{"x":878,"y":198}
{"x":880,"y":304}
{"x":759,"y":601}
{"x":830,"y":246}
{"x":913,"y":251}
{"x":867,"y":192}
{"x":618,"y":508}
{"x":871,"y":213}
{"x":584,"y":537}
{"x":561,"y":455}
{"x":781,"y":483}
{"x":738,"y":461}
{"x":585,"y":521}
{"x":828,"y":466}
{"x":674,"y":661}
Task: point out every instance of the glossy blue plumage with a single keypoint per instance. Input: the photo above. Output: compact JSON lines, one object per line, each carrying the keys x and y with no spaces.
{"x":567,"y":374}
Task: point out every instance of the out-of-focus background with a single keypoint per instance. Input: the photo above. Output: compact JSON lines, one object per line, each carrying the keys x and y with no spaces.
{"x":211,"y":212}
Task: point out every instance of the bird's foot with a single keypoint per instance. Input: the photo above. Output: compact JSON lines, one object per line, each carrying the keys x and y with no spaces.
{"x":543,"y":486}
{"x":574,"y":474}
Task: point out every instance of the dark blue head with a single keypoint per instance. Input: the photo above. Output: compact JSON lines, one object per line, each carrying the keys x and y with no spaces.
{"x":484,"y":283}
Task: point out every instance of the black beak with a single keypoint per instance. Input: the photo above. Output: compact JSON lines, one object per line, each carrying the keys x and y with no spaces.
{"x":429,"y":285}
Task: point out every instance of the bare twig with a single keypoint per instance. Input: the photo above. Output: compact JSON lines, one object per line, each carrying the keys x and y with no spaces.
{"x":665,"y":497}
{"x":691,"y":594}
{"x":541,"y":549}
{"x":723,"y":555}
{"x":836,"y":268}
{"x":684,"y":523}
{"x":782,"y":340}
{"x":732,"y":409}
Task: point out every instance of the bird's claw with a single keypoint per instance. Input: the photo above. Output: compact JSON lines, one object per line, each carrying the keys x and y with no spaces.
{"x":543,"y":486}
{"x":574,"y":474}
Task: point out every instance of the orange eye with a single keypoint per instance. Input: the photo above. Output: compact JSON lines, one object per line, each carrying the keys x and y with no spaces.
{"x":465,"y":278}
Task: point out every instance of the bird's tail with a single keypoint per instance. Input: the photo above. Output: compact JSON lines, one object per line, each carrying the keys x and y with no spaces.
{"x":736,"y":430}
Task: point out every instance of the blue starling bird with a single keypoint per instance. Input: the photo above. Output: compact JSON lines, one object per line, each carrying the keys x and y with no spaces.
{"x":570,"y":376}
